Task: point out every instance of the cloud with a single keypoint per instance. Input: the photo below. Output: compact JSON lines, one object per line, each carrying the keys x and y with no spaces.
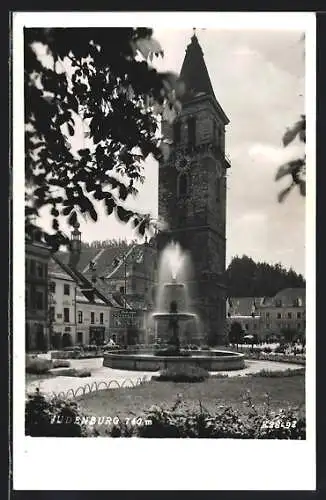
{"x":269,"y":154}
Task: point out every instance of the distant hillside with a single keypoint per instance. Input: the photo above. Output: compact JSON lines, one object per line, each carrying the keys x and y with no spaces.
{"x":123,"y":244}
{"x":247,"y":278}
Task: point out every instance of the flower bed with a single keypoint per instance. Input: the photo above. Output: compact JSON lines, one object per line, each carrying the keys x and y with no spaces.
{"x":298,"y":359}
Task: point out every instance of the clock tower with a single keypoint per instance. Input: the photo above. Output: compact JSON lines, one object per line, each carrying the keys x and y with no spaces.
{"x":192,"y":193}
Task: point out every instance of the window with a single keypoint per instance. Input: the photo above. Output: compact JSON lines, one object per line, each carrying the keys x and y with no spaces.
{"x":255,"y":326}
{"x":39,"y":300}
{"x":246,"y":326}
{"x":279,"y":315}
{"x":32,"y":267}
{"x":289,"y":315}
{"x":66,"y":289}
{"x":26,"y":298}
{"x":79,"y":337}
{"x":40,"y":269}
{"x":66,"y":315}
{"x":101,"y":318}
{"x":278,"y":303}
{"x":177,"y":132}
{"x":299,"y":315}
{"x":220,"y":138}
{"x":183,"y":184}
{"x":267,"y":315}
{"x":218,"y":187}
{"x":268,"y":326}
{"x":80,"y":317}
{"x":299,"y":326}
{"x":122,"y":289}
{"x":192,"y":131}
{"x":215,"y":134}
{"x":52,"y":313}
{"x":52,"y":286}
{"x":92,"y":318}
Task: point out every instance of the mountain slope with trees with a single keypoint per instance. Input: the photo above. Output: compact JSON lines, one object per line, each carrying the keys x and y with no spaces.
{"x":247,"y":278}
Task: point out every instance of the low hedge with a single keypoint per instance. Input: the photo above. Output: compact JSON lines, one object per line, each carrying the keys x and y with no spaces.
{"x":37,"y":365}
{"x":60,"y":363}
{"x":182,"y":373}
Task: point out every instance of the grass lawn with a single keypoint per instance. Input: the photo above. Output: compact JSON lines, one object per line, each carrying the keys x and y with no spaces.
{"x":129,"y":402}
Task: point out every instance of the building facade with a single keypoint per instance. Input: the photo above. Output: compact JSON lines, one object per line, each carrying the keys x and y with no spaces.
{"x":36,"y":296}
{"x":270,"y":316}
{"x":93,"y":320}
{"x":285,"y":311}
{"x":62,"y":309}
{"x":192,"y":192}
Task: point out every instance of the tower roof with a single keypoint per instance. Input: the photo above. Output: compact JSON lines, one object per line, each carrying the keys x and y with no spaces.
{"x":194,"y":71}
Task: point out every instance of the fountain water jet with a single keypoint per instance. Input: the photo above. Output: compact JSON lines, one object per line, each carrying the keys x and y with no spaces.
{"x":173,"y":308}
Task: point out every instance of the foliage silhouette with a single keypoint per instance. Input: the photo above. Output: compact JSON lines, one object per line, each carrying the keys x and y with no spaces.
{"x":247,"y":278}
{"x":99,"y":81}
{"x":295,"y":168}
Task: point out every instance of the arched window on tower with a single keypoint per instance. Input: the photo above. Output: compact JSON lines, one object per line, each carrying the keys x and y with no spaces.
{"x":177,"y":132}
{"x":191,"y":124}
{"x":183,"y":185}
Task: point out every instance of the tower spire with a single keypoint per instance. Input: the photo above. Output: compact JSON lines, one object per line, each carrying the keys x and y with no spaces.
{"x":194,"y":71}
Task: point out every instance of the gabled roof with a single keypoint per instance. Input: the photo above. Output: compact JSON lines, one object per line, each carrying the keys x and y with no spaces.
{"x":244,"y":306}
{"x":86,"y":287}
{"x":289,"y":297}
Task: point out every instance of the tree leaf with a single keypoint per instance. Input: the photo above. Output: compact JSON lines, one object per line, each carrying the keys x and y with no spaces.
{"x":284,"y":193}
{"x":292,"y":132}
{"x":289,"y":168}
{"x":55,"y":224}
{"x":70,"y":129}
{"x":302,"y":187}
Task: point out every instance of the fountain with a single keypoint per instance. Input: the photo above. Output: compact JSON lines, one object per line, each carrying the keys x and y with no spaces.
{"x":173,"y":310}
{"x":175,"y":296}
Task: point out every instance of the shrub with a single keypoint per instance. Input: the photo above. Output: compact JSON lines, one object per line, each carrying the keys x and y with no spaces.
{"x":179,"y":421}
{"x":205,"y":348}
{"x":183,"y":373}
{"x":60,"y":363}
{"x":267,"y":349}
{"x":42,"y":417}
{"x":185,"y":422}
{"x":280,"y":349}
{"x":74,"y":372}
{"x":37,"y":365}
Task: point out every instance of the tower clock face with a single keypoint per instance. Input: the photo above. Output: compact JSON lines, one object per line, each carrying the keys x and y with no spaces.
{"x":182,"y":163}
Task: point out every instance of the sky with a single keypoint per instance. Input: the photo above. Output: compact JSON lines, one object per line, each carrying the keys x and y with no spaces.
{"x":258,"y":79}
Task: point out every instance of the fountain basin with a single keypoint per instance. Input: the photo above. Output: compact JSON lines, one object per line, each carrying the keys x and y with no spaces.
{"x":213,"y":361}
{"x":177,"y":315}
